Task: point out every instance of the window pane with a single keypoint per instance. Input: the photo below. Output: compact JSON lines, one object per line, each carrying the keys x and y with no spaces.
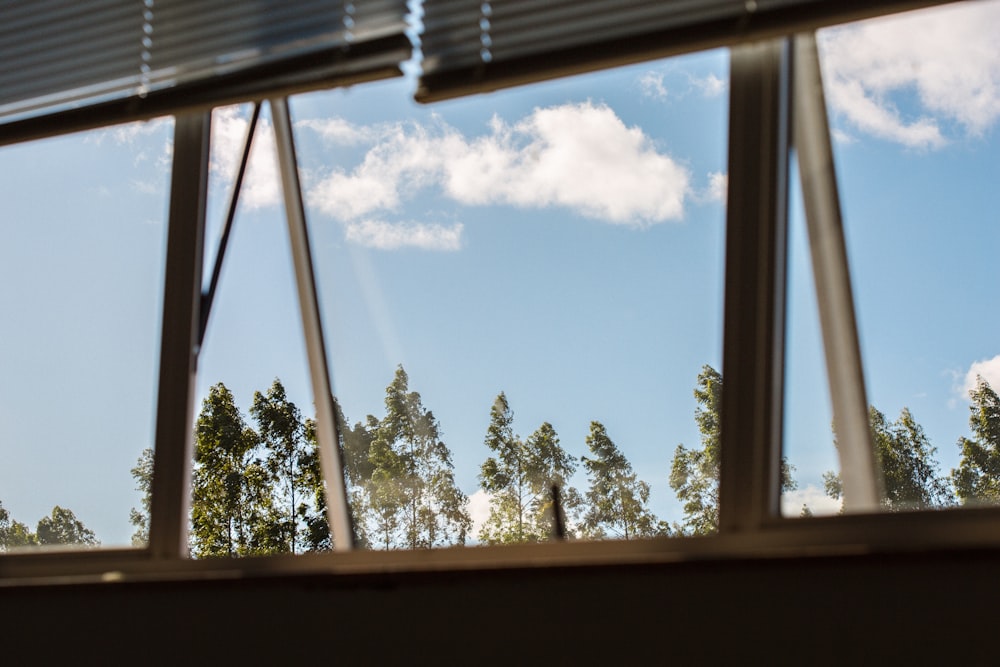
{"x":81,"y":265}
{"x":519,"y":288}
{"x":914,"y":102}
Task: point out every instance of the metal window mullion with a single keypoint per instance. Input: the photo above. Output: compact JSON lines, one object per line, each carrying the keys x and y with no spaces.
{"x":753,"y":339}
{"x":832,"y":277}
{"x":172,"y":456}
{"x":338,"y":511}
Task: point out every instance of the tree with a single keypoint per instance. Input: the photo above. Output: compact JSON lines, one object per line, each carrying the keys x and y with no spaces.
{"x":411,"y":497}
{"x":14,"y":534}
{"x":977,"y":478}
{"x":142,"y":473}
{"x":694,"y":475}
{"x":905,"y":458}
{"x":281,"y":433}
{"x":617,"y":500}
{"x":230,"y":498}
{"x":62,"y":527}
{"x":519,"y":479}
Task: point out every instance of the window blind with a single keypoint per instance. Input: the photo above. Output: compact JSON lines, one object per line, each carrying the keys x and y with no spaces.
{"x":102,"y":61}
{"x":472,"y":46}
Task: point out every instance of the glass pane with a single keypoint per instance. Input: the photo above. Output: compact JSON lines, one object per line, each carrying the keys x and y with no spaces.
{"x":914,"y":102}
{"x":256,"y":477}
{"x":519,"y":289}
{"x":81,"y":266}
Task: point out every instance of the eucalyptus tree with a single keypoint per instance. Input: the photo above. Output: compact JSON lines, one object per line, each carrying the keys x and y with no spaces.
{"x":285,"y":448}
{"x":905,"y":460}
{"x":62,"y":527}
{"x":694,"y":474}
{"x":142,"y":473}
{"x":230,"y":485}
{"x":617,"y":501}
{"x":411,"y":499}
{"x":519,"y":479}
{"x":13,"y":533}
{"x":977,"y":478}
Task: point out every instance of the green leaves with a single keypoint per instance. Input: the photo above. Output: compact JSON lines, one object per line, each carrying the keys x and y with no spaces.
{"x":617,"y":499}
{"x":694,"y":473}
{"x":977,"y":478}
{"x":519,"y":479}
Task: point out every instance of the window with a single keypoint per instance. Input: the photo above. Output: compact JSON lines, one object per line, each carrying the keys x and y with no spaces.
{"x":378,"y":165}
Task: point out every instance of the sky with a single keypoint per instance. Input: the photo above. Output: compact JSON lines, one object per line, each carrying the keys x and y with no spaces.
{"x":560,"y":242}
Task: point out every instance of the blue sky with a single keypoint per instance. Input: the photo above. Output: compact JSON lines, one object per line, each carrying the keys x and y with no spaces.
{"x":561,"y":242}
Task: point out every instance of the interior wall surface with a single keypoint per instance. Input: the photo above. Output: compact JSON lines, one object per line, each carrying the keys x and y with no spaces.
{"x":923,"y":608}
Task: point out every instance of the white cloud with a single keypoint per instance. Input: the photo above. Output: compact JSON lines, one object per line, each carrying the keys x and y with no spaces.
{"x":812,"y":497}
{"x":339,"y":131}
{"x":988,"y":369}
{"x":718,"y":187}
{"x":261,"y":183}
{"x":391,"y":236}
{"x":651,"y":85}
{"x":948,"y":56}
{"x":479,"y":510}
{"x":710,"y":85}
{"x":577,"y":156}
{"x":129,"y":133}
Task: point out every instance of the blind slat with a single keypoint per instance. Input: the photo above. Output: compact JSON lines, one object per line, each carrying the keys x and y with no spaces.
{"x":60,"y":55}
{"x":472,"y":46}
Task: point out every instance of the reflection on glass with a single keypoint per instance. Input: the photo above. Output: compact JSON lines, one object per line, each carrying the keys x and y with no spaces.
{"x":81,"y":268}
{"x":913,"y":100}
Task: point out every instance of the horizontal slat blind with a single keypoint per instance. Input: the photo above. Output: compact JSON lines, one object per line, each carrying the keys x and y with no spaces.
{"x":472,"y":46}
{"x":59,"y":55}
{"x":53,"y":51}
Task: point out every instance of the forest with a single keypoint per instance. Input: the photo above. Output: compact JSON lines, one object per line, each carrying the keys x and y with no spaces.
{"x":257,"y":487}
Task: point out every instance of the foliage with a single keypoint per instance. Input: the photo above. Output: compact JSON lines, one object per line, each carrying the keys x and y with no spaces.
{"x":281,"y":435}
{"x":62,"y":527}
{"x":977,"y":478}
{"x":905,"y":457}
{"x":616,"y":498}
{"x":694,"y":474}
{"x":519,"y":479}
{"x":229,"y":485}
{"x":410,"y":498}
{"x":14,"y":534}
{"x":142,"y":473}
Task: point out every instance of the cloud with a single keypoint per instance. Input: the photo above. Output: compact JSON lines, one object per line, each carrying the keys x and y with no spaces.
{"x":581,"y":157}
{"x":128,"y":133}
{"x":710,"y":86}
{"x":651,"y":84}
{"x":949,"y":57}
{"x":988,"y":369}
{"x":261,"y":183}
{"x":811,"y":496}
{"x":479,"y":510}
{"x":718,"y":187}
{"x":391,"y":236}
{"x":339,"y":131}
